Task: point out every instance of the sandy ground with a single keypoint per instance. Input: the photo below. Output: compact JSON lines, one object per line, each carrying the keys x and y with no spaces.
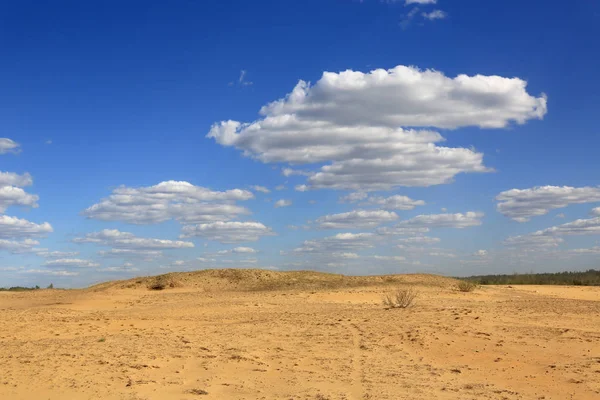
{"x":193,"y":343}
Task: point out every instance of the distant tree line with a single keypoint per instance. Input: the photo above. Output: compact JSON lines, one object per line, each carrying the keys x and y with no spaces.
{"x":590,"y":277}
{"x":23,"y":288}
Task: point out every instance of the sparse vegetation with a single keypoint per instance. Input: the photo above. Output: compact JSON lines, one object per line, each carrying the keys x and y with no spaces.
{"x":101,"y":340}
{"x":18,"y":289}
{"x":590,"y":277}
{"x":198,"y":392}
{"x":466,"y":286}
{"x":161,"y":282}
{"x":400,"y":298}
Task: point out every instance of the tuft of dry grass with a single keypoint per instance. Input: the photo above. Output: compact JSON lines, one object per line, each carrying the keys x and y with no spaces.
{"x":466,"y":286}
{"x":400,"y":298}
{"x":161,"y":282}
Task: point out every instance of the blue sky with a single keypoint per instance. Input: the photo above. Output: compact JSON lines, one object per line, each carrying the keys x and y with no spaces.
{"x":439,"y":136}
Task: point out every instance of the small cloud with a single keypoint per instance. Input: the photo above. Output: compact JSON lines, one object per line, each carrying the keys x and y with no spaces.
{"x":48,"y":141}
{"x":560,"y":215}
{"x":409,"y":2}
{"x":280,"y":187}
{"x":481,"y":253}
{"x":407,"y":19}
{"x":435,"y":14}
{"x":261,"y":189}
{"x":301,"y":188}
{"x":242,"y":80}
{"x":283,"y":203}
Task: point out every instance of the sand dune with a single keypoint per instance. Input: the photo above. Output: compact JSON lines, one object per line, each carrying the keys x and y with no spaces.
{"x":249,"y":334}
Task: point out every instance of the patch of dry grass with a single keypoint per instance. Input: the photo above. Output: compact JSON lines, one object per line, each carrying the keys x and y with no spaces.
{"x":400,"y":298}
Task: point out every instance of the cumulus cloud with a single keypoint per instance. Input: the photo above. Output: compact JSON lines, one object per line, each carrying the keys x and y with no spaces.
{"x":131,"y":253}
{"x":596,"y":211}
{"x":71,"y":263}
{"x":419,"y":240}
{"x":13,"y":179}
{"x":128,"y":241}
{"x":481,"y":253}
{"x":181,"y":201}
{"x":435,"y":14}
{"x":357,"y":219}
{"x":457,"y":220}
{"x":282,"y":203}
{"x":409,"y":2}
{"x":402,"y":231}
{"x":593,"y":250}
{"x":228,"y":232}
{"x":390,"y":258}
{"x":57,"y":254}
{"x":13,"y":227}
{"x":340,"y":243}
{"x":49,"y":272}
{"x":351,"y":122}
{"x":16,"y":247}
{"x":287,"y":172}
{"x":523,"y":204}
{"x":126,"y":267}
{"x":9,"y":146}
{"x":534,"y":240}
{"x":396,"y":202}
{"x":238,"y":250}
{"x":11,"y":196}
{"x":261,"y":189}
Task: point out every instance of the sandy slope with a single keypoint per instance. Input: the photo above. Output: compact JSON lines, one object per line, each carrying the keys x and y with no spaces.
{"x":121,"y":341}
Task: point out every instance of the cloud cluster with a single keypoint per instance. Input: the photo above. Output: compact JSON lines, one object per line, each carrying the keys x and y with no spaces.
{"x":357,"y":219}
{"x":340,"y":243}
{"x":177,"y":200}
{"x":13,"y":227}
{"x":457,"y":220}
{"x":523,"y":204}
{"x":228,"y":232}
{"x":396,"y":202}
{"x":127,"y":245}
{"x":552,"y":237}
{"x":17,"y":247}
{"x":71,"y":263}
{"x":11,"y":192}
{"x":355,"y":123}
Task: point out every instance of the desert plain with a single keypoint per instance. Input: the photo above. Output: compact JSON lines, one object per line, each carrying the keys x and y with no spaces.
{"x":252,"y":334}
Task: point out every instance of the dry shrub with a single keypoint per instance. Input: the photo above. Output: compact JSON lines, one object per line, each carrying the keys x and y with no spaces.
{"x":161,"y":282}
{"x":400,"y":298}
{"x":466,"y":286}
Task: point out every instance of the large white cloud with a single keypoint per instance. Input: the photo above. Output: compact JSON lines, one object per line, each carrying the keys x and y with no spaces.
{"x":357,"y":219}
{"x":523,"y":204}
{"x":457,"y":220}
{"x":11,"y":196}
{"x":13,"y":227}
{"x":9,"y":146}
{"x":352,"y":120}
{"x":228,"y":232}
{"x":181,"y":201}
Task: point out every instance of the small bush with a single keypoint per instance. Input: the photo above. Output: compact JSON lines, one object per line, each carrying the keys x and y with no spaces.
{"x":161,"y":282}
{"x":466,"y":286}
{"x":401,"y":298}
